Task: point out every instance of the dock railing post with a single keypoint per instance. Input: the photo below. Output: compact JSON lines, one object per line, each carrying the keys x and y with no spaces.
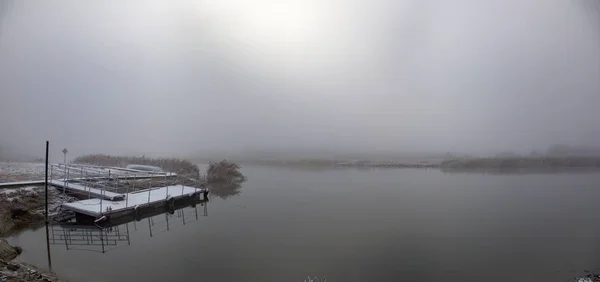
{"x":102,"y":198}
{"x":88,"y":188}
{"x":64,"y":180}
{"x":127,"y":196}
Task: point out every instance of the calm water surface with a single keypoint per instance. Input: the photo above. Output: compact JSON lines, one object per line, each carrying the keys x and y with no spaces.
{"x":360,"y":225}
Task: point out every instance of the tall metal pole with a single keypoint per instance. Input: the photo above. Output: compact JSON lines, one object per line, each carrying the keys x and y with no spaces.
{"x":46,"y":209}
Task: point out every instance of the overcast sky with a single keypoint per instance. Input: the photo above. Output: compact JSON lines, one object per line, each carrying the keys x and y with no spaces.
{"x":187,"y":77}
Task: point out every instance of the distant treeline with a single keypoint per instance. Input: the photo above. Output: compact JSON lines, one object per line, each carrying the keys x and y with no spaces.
{"x":168,"y":164}
{"x":516,"y":162}
{"x":339,"y":163}
{"x":523,"y":162}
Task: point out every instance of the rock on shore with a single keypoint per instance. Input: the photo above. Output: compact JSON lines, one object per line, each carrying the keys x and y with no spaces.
{"x":13,"y":271}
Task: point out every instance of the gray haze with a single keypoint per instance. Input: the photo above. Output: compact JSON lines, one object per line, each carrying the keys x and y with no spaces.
{"x":190,"y":77}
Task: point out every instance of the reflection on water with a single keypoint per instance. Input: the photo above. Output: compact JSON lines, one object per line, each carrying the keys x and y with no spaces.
{"x":225,"y":191}
{"x":116,"y":232}
{"x":350,"y":225}
{"x":89,"y":238}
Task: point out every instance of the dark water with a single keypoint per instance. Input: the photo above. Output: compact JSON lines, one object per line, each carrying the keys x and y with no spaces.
{"x":361,"y":225}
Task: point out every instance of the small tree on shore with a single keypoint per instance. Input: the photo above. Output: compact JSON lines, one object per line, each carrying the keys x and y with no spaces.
{"x":224,"y":172}
{"x":224,"y":178}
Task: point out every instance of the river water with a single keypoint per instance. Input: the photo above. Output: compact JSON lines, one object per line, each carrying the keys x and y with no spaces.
{"x":358,"y":225}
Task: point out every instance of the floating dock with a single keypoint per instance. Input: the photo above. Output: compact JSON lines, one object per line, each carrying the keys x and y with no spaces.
{"x":110,"y":198}
{"x":134,"y":201}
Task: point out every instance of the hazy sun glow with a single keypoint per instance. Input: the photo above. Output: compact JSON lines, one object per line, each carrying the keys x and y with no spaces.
{"x":287,"y":32}
{"x":281,"y":23}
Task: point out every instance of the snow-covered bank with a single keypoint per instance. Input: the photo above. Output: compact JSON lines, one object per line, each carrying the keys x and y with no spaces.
{"x":24,"y":207}
{"x":20,"y":209}
{"x":11,"y":172}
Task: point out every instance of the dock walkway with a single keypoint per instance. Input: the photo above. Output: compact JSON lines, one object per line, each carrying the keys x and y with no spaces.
{"x":139,"y":199}
{"x":85,"y":190}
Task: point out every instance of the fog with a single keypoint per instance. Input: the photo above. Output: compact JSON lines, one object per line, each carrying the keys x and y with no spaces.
{"x":175,"y":78}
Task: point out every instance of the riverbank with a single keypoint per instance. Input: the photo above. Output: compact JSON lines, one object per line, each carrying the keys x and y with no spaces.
{"x":22,"y":209}
{"x":21,"y":171}
{"x":458,"y":164}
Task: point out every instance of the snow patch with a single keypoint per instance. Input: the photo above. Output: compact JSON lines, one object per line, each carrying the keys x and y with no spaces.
{"x":31,"y":190}
{"x":30,"y":170}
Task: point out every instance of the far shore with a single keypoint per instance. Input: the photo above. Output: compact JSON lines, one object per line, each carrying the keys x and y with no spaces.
{"x":459,"y":164}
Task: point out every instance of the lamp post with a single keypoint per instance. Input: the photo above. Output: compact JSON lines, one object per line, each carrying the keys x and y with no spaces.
{"x":64,"y":151}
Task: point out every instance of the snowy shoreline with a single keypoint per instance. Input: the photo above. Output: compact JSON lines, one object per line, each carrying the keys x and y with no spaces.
{"x":21,"y":209}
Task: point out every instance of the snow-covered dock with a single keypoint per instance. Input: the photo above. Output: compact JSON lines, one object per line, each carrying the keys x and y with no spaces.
{"x":133,"y":201}
{"x":109,"y":197}
{"x":85,"y":190}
